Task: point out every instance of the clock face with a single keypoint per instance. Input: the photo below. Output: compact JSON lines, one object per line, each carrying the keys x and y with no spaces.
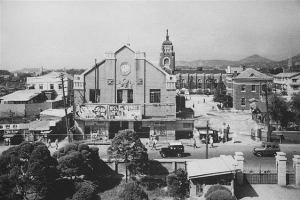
{"x":125,"y":69}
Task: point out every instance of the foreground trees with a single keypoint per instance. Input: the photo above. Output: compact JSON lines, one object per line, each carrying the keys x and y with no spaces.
{"x":27,"y":171}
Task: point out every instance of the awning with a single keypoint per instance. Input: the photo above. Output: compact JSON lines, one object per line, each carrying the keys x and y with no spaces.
{"x":9,"y":135}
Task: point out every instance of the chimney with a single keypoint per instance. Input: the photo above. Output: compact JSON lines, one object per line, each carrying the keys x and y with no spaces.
{"x":228,"y":69}
{"x":244,"y":68}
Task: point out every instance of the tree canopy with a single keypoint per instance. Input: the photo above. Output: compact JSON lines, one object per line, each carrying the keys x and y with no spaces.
{"x":128,"y":146}
{"x":27,"y":171}
{"x":278,"y":109}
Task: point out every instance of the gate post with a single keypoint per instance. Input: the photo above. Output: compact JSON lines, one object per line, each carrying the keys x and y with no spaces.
{"x":281,"y":168}
{"x":239,"y":161}
{"x":296,"y":165}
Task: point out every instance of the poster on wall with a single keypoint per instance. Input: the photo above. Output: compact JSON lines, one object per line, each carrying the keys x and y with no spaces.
{"x":100,"y":111}
{"x":91,"y":111}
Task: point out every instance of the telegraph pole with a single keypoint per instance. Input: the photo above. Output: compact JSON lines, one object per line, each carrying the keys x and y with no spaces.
{"x":206,"y":141}
{"x":268,"y":116}
{"x":66,"y":112}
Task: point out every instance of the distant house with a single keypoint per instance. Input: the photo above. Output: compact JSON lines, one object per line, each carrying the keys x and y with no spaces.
{"x":52,"y":81}
{"x":287,"y":84}
{"x":204,"y":173}
{"x":247,"y":85}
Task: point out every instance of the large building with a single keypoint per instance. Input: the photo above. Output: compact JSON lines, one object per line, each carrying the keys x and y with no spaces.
{"x":248,"y":85}
{"x":287,"y":84}
{"x":126,"y":91}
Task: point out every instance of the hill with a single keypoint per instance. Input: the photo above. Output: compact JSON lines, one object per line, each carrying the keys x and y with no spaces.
{"x":254,"y":59}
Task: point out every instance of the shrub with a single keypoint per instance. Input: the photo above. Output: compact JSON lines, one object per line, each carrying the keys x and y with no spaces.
{"x":178,"y":184}
{"x":85,"y":190}
{"x":69,"y":147}
{"x":220,"y":195}
{"x":132,"y":191}
{"x":83,"y":147}
{"x":215,"y":188}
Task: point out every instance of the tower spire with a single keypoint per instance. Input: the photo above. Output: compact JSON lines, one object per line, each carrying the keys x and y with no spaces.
{"x":167,"y":37}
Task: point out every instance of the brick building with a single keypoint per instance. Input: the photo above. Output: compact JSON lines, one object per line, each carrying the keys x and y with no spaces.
{"x":248,"y":85}
{"x":126,"y":91}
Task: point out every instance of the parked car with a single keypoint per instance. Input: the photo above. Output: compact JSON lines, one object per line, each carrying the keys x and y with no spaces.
{"x":266,"y":149}
{"x":174,"y":149}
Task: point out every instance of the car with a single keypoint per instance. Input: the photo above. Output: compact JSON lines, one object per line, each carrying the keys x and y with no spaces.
{"x":174,"y":149}
{"x":266,"y":149}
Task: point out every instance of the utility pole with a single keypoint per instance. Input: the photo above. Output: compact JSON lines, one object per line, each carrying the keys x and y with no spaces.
{"x":95,"y":80}
{"x":268,"y":116}
{"x":66,"y":112}
{"x":206,"y":140}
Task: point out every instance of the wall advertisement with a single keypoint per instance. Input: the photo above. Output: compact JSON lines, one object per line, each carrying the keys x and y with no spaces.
{"x":103,"y":111}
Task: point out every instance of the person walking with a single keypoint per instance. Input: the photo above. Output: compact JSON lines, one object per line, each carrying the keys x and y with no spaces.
{"x":56,"y":143}
{"x":195,"y":143}
{"x":227,"y":136}
{"x":49,"y":143}
{"x":154,"y":144}
{"x":211,"y":142}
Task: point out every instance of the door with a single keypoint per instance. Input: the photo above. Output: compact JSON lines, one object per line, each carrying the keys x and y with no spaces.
{"x":119,"y":96}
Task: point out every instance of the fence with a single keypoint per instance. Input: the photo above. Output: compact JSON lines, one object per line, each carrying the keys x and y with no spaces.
{"x":261,"y":178}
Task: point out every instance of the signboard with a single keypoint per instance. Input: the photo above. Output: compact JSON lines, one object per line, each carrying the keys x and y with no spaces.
{"x":116,"y":111}
{"x":9,"y":126}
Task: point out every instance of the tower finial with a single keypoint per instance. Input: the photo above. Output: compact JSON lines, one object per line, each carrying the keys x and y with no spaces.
{"x":167,"y":35}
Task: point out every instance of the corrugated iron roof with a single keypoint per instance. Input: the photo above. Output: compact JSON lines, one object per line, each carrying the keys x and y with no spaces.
{"x":288,"y":75}
{"x":21,"y":95}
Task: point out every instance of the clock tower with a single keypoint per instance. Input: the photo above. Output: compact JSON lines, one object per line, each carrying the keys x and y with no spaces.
{"x":167,"y":56}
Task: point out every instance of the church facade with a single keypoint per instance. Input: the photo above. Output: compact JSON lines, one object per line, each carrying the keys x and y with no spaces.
{"x":126,"y":91}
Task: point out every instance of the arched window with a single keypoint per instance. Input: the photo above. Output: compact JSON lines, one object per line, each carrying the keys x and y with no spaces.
{"x":166,"y":61}
{"x":199,"y":82}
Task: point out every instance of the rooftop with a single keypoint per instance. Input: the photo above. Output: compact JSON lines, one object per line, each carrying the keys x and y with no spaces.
{"x":253,"y":74}
{"x":211,"y":167}
{"x":21,"y":95}
{"x":287,"y":75}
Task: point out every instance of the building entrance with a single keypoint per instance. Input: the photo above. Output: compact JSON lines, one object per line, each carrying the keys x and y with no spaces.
{"x":115,"y":127}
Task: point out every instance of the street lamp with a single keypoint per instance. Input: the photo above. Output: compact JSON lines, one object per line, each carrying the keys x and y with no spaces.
{"x":206,"y":141}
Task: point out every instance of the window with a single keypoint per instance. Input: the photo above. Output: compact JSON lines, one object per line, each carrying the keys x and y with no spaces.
{"x":253,"y":88}
{"x":51,"y":86}
{"x":243,"y":103}
{"x":166,"y":61}
{"x":199,"y":83}
{"x":60,"y":86}
{"x":243,"y":88}
{"x":41,"y":86}
{"x":130,"y":96}
{"x":95,"y":95}
{"x":119,"y":96}
{"x":294,"y":80}
{"x":154,"y":96}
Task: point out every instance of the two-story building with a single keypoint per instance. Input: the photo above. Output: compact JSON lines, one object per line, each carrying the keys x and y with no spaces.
{"x":126,"y":91}
{"x":287,"y":84}
{"x":249,"y":84}
{"x":53,"y":81}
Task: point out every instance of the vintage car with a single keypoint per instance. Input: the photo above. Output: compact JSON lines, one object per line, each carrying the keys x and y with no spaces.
{"x":266,"y":149}
{"x":174,"y":149}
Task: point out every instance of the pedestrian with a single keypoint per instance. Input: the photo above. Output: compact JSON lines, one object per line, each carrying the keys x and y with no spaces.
{"x":49,"y":143}
{"x":211,"y":142}
{"x":154,"y":144}
{"x":195,"y":144}
{"x":227,"y":136}
{"x":203,"y":100}
{"x":56,"y":143}
{"x":193,"y":105}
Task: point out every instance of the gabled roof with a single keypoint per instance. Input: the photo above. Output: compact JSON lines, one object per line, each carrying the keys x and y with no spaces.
{"x":252,"y":74}
{"x":286,"y":75}
{"x":21,"y":95}
{"x":211,"y":167}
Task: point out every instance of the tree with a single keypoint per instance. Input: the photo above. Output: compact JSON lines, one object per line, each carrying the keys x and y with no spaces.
{"x":27,"y":171}
{"x":178,"y":184}
{"x":219,"y":92}
{"x":132,"y":191}
{"x":278,"y":109}
{"x":295,"y":106}
{"x":128,"y":146}
{"x":220,"y":194}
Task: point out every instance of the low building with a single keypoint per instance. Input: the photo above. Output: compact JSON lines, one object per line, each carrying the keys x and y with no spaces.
{"x":204,"y":173}
{"x":247,"y":85}
{"x":27,"y":103}
{"x":287,"y":84}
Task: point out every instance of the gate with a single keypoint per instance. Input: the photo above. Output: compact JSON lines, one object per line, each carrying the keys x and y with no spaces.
{"x":261,"y":178}
{"x":290,"y":174}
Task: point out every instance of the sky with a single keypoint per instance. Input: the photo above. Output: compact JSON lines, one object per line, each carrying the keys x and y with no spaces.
{"x":72,"y":34}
